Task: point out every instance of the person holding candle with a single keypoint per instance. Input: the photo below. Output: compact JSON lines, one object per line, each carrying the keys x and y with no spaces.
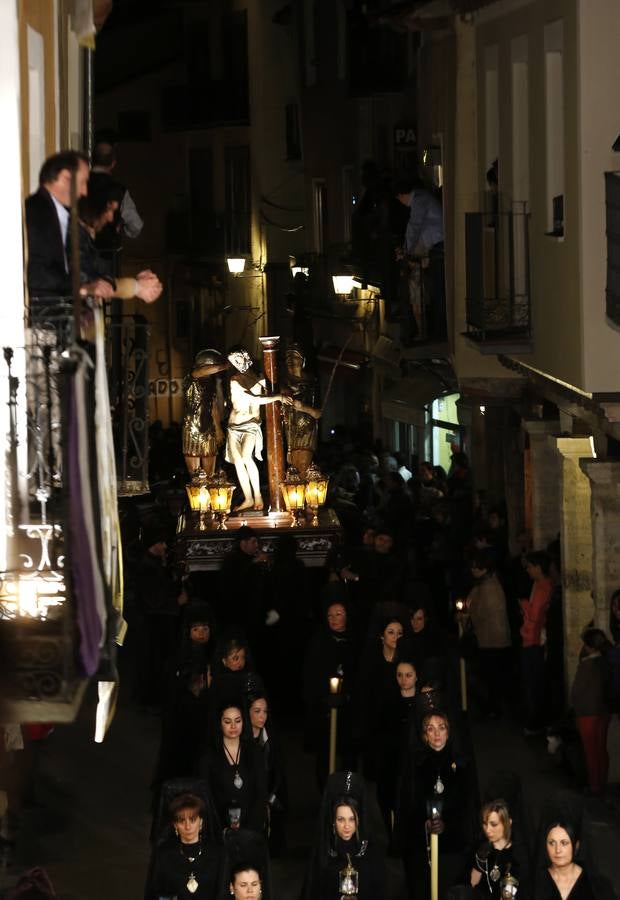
{"x":438,"y":796}
{"x":331,"y":654}
{"x":346,"y":860}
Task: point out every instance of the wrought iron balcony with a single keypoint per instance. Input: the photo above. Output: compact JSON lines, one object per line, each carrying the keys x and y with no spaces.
{"x":48,"y":643}
{"x":498,"y":277}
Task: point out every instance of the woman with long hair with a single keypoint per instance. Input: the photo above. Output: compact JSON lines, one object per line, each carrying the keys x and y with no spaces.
{"x":345,"y":860}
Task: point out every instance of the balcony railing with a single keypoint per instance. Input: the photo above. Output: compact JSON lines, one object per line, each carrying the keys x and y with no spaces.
{"x":497,"y":276}
{"x":49,"y":633}
{"x":127,"y":350}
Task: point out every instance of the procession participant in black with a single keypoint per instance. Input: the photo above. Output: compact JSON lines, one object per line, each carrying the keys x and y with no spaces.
{"x":265,"y":736}
{"x":438,"y":795}
{"x":498,"y":861}
{"x":346,"y":859}
{"x":186,"y":699}
{"x":331,"y":653}
{"x":234,"y":768}
{"x":188,"y":858}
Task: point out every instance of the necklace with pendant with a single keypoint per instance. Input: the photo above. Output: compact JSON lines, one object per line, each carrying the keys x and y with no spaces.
{"x":192,"y":881}
{"x":439,"y":787}
{"x":495,"y":873}
{"x":237,"y":780}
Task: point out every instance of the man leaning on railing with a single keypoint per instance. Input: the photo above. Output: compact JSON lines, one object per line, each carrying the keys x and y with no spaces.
{"x":47,"y":226}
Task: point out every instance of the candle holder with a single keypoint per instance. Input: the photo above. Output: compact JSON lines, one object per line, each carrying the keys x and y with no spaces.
{"x":316,"y":491}
{"x":220,"y":494}
{"x":199,"y":500}
{"x":293,"y":490}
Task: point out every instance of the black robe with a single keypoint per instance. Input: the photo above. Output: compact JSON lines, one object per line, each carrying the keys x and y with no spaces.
{"x":170,"y":871}
{"x":250,"y":797}
{"x":494,"y":865}
{"x":547,"y":889}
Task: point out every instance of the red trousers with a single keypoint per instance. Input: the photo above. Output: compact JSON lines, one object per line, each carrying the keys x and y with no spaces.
{"x":593,"y":733}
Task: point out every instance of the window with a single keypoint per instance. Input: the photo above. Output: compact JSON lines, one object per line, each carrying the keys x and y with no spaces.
{"x":235,"y":66}
{"x":293,"y":137}
{"x":554,"y":127}
{"x":348,"y":202}
{"x":310,"y":41}
{"x":491,"y":108}
{"x":202,"y":214}
{"x":520,"y":122}
{"x":238,"y":202}
{"x":319,"y":213}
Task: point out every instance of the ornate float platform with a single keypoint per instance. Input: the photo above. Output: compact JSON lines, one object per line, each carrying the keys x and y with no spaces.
{"x":204,"y":550}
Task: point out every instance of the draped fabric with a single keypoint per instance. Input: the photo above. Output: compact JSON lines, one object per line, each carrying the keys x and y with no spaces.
{"x":84,"y":549}
{"x":106,"y":480}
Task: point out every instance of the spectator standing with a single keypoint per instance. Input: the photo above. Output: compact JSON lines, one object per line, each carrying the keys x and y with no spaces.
{"x":534,"y":638}
{"x":591,"y":697}
{"x":486,"y":605}
{"x":127,"y":220}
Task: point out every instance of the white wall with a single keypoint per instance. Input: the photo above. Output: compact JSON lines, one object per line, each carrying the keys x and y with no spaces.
{"x":11,"y":249}
{"x":599,"y":126}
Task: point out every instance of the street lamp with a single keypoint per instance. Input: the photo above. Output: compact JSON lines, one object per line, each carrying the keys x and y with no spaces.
{"x":293,"y":490}
{"x":236,"y":264}
{"x":300,"y":270}
{"x":198,"y":495}
{"x":316,"y":491}
{"x":220,"y":494}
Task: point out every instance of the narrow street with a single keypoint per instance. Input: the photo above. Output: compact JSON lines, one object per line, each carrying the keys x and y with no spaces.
{"x":90,"y":826}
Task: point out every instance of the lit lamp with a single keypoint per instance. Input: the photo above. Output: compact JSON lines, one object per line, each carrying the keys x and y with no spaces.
{"x":300,"y":270}
{"x":220,"y":493}
{"x":293,"y":491}
{"x":316,"y":491}
{"x":198,"y":495}
{"x":344,"y":284}
{"x":236,"y":264}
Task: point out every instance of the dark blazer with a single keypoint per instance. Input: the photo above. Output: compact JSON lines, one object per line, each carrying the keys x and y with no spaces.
{"x":46,"y":257}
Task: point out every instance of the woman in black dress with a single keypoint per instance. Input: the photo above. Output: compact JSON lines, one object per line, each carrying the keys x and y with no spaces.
{"x":186,"y":701}
{"x":562,"y":878}
{"x":235,"y":771}
{"x":265,"y":737}
{"x":344,"y":855}
{"x":331,"y":653}
{"x":396,"y":720}
{"x":188,"y":857}
{"x":438,"y":795}
{"x":496,"y":861}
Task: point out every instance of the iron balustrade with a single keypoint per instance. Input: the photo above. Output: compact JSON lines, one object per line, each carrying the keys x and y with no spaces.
{"x":127,"y":339}
{"x":497,"y":275}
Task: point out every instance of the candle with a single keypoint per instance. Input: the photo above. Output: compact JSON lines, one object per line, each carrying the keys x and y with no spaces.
{"x":460,"y":605}
{"x":334,"y":685}
{"x":434,"y":866}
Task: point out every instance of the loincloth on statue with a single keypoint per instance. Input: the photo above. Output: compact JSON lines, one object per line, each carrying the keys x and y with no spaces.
{"x":236,"y":434}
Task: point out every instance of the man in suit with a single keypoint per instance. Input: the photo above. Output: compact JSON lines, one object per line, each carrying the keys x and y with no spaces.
{"x":47,"y":226}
